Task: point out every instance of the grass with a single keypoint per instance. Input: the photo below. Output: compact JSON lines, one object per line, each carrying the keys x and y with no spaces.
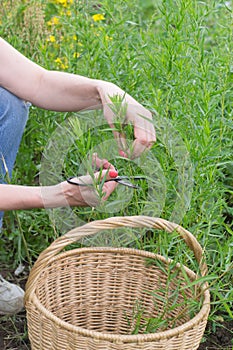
{"x":176,"y":297}
{"x":175,"y":57}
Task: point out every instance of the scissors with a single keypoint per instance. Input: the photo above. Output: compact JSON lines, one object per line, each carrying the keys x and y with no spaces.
{"x":123,"y":180}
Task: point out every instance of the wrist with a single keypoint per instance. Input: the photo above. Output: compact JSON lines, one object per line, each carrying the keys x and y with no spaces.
{"x":53,"y":196}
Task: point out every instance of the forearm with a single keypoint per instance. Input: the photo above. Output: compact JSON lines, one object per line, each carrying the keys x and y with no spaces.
{"x":60,"y":91}
{"x":19,"y":197}
{"x":14,"y":197}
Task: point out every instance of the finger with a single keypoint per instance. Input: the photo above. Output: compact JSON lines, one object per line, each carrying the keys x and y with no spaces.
{"x":123,"y":154}
{"x":137,"y":149}
{"x":144,"y":133}
{"x":145,"y":138}
{"x":108,"y":187}
{"x":98,"y":163}
{"x":144,"y":130}
{"x":110,"y":117}
{"x":121,"y":140}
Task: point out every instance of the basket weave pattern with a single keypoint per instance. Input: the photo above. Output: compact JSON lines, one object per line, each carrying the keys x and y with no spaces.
{"x":86,"y":298}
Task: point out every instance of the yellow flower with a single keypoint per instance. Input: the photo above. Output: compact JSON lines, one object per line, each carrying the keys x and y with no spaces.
{"x":107,"y":37}
{"x":61,"y":63}
{"x":98,"y":17}
{"x":53,"y":21}
{"x":62,"y":2}
{"x":58,"y":60}
{"x":74,"y":37}
{"x":76,"y":54}
{"x":64,"y":66}
{"x":52,"y":39}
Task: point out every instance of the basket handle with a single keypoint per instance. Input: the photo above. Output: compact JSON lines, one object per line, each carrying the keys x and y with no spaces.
{"x":112,"y":223}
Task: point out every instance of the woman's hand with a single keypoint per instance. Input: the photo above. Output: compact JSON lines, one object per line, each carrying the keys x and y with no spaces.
{"x":133,"y":112}
{"x":88,"y":193}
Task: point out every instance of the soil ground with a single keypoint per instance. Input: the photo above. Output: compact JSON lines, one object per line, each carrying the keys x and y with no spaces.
{"x":13,"y":330}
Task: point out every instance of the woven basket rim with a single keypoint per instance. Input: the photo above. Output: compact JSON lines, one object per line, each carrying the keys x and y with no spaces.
{"x":136,"y":338}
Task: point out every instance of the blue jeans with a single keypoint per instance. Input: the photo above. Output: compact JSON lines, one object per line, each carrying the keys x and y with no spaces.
{"x":13,"y":118}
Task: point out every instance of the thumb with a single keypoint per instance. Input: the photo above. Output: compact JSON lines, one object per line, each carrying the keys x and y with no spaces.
{"x":106,"y":175}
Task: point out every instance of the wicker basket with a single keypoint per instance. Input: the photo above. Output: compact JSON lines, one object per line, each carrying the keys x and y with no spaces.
{"x":87,"y":298}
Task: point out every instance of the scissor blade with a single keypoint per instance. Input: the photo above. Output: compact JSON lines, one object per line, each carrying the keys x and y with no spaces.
{"x":128,"y":184}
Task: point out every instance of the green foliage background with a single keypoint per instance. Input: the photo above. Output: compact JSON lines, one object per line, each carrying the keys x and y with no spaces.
{"x":173,"y":56}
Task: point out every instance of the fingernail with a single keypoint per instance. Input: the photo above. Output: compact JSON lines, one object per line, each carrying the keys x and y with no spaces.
{"x":113,"y":173}
{"x":122,"y":154}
